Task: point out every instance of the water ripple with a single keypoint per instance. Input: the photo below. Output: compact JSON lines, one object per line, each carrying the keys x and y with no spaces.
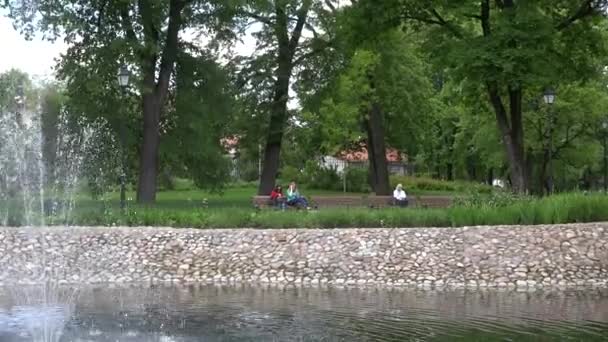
{"x":246,"y":313}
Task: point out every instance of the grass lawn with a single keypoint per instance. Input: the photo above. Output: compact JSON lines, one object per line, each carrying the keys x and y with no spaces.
{"x":239,"y":197}
{"x":564,"y":208}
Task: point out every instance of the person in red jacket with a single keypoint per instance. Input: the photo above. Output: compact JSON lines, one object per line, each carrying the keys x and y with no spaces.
{"x":277,"y":197}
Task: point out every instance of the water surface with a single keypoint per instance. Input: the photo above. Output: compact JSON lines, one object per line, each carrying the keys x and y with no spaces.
{"x":249,"y":313}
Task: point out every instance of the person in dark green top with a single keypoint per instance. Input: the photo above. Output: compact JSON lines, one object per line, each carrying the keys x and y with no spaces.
{"x":294,"y":198}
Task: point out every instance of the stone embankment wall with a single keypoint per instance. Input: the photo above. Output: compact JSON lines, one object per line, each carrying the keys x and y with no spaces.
{"x":537,"y":256}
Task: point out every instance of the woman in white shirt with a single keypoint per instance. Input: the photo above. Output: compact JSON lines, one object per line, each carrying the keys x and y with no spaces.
{"x":400,"y":196}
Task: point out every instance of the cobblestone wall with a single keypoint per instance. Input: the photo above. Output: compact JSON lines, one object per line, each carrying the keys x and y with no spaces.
{"x":537,"y":256}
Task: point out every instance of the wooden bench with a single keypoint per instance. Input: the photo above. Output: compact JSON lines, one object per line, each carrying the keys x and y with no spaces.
{"x":371,"y":201}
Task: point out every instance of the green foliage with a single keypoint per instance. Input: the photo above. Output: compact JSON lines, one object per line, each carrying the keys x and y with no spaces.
{"x":291,"y":174}
{"x":316,"y":177}
{"x":495,"y":199}
{"x":357,"y":180}
{"x":414,"y":184}
{"x":387,"y":70}
{"x":203,"y":105}
{"x":10,"y":82}
{"x":566,"y":208}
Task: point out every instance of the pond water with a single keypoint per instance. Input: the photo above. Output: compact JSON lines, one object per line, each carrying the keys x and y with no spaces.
{"x":249,"y":313}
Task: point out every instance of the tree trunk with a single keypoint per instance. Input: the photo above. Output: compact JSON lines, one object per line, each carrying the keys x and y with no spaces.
{"x":544,"y":186}
{"x":512,"y":135}
{"x":371,"y":157}
{"x":278,"y":119}
{"x":512,"y":130}
{"x":155,"y":92}
{"x":377,"y":145}
{"x":146,"y":187}
{"x":490,"y":179}
{"x":278,"y":115}
{"x":450,"y":171}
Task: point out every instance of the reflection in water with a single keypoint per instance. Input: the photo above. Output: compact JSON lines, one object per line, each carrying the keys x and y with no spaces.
{"x":247,"y":313}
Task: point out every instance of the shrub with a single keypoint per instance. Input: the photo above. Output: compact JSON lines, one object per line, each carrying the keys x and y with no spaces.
{"x":290,"y":174}
{"x":317,"y":177}
{"x":357,"y":180}
{"x":494,"y":199}
{"x":414,"y":184}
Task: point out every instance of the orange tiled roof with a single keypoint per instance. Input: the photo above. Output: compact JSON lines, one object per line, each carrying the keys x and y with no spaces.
{"x":392,"y":155}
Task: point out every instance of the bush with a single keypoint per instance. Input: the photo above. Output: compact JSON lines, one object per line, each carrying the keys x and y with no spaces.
{"x":495,"y":199}
{"x":414,"y":184}
{"x":290,"y":174}
{"x":357,"y":180}
{"x":317,"y":177}
{"x":248,"y":171}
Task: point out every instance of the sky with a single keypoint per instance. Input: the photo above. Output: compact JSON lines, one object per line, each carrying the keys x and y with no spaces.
{"x":36,"y":57}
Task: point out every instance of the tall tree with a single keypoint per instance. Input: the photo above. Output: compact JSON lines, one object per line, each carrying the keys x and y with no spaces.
{"x":380,"y":96}
{"x":508,"y":47}
{"x":105,"y":33}
{"x":283,"y":47}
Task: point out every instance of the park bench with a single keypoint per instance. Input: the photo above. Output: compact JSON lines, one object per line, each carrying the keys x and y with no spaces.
{"x":371,"y":201}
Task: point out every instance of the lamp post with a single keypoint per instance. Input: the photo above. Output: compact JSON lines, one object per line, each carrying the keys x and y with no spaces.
{"x":605,"y":133}
{"x":123,"y":81}
{"x":549,"y":97}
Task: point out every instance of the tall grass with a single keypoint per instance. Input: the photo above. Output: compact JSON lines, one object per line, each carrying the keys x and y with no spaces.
{"x":567,"y":208}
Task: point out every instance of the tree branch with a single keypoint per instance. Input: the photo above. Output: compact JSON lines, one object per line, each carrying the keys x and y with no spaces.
{"x":584,"y":10}
{"x":331,"y":6}
{"x":312,"y":53}
{"x":102,"y":10}
{"x":569,"y":139}
{"x":422,"y":20}
{"x":127,"y":25}
{"x":171,"y":46}
{"x":472,"y":16}
{"x":297,"y":30}
{"x":446,"y":24}
{"x":151,"y":35}
{"x":262,"y":19}
{"x":485,"y":17}
{"x":436,"y":19}
{"x":312,"y":29}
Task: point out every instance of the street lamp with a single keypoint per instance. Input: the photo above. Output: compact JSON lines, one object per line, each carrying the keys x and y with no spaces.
{"x":123,"y":82}
{"x":123,"y":76}
{"x":549,"y":97}
{"x":605,"y":132}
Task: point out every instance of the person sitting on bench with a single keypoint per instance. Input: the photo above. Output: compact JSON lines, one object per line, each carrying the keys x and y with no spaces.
{"x":399,"y":196}
{"x":294,"y":198}
{"x":277,"y":198}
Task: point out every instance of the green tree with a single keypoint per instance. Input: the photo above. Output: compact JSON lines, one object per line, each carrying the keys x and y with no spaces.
{"x":381,"y":95}
{"x":199,"y":118}
{"x":103,"y":34}
{"x":282,"y":49}
{"x":508,"y":49}
{"x":53,"y":102}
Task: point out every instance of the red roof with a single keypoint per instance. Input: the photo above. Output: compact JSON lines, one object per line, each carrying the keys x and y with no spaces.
{"x":392,"y":155}
{"x":229,"y":142}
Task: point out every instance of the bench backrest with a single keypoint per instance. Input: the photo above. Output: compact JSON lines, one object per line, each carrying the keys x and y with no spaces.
{"x":366,"y":201}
